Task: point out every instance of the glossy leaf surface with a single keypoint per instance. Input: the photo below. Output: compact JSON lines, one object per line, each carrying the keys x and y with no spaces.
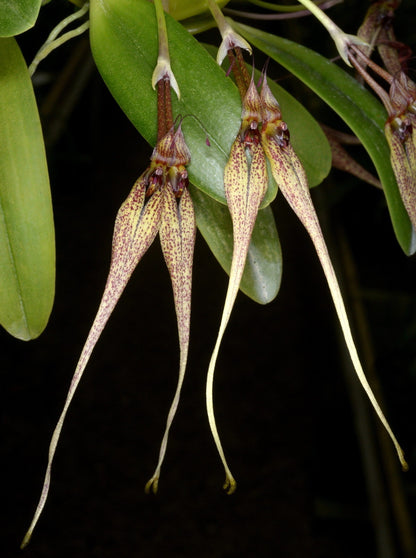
{"x":263,"y":270}
{"x":355,"y":105}
{"x":27,"y":251}
{"x":182,"y":9}
{"x":17,"y":16}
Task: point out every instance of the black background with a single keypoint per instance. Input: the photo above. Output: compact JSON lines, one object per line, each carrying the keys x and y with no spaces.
{"x":280,"y":394}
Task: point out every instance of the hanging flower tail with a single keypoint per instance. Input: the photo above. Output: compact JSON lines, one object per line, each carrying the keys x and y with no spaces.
{"x":177,"y":237}
{"x":291,"y":178}
{"x":136,"y":226}
{"x":178,"y":228}
{"x":245,"y":183}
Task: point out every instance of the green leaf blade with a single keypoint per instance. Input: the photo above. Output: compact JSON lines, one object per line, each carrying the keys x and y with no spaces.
{"x":27,"y":249}
{"x":17,"y":16}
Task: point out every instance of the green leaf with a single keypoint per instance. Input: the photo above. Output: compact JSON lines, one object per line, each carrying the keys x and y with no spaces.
{"x":183,"y":9}
{"x":263,"y":270}
{"x":17,"y":16}
{"x":27,"y":250}
{"x":124,"y":45}
{"x":363,"y":113}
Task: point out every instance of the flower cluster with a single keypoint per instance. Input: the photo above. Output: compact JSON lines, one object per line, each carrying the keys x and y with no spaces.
{"x":263,"y":135}
{"x":160,"y":203}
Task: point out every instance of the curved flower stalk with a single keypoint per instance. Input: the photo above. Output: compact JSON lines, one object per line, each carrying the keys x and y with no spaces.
{"x":342,"y":40}
{"x":291,"y":178}
{"x":400,"y":101}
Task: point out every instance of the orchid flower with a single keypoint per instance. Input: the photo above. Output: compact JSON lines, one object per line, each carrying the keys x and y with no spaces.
{"x":245,"y":184}
{"x":401,"y":105}
{"x":377,"y":30}
{"x":400,"y":126}
{"x":159,"y":202}
{"x":264,"y":135}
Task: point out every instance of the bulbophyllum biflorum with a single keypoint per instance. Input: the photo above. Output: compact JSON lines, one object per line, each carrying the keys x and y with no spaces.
{"x":159,"y":202}
{"x":264,"y":136}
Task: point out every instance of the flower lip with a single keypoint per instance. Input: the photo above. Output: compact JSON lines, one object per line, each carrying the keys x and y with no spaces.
{"x":154,"y":179}
{"x":402,"y":127}
{"x":273,"y":125}
{"x":178,"y":179}
{"x":168,"y":161}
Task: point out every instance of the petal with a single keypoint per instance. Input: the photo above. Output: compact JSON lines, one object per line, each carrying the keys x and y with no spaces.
{"x":135,"y":228}
{"x":290,"y":176}
{"x":244,"y":190}
{"x":403,"y":161}
{"x":177,"y":237}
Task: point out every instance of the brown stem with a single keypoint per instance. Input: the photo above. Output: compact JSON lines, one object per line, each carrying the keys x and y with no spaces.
{"x":164,"y":108}
{"x":168,"y":105}
{"x":161,"y":127}
{"x":235,"y":68}
{"x":375,"y":67}
{"x":243,"y":67}
{"x":372,"y":83}
{"x":239,"y":69}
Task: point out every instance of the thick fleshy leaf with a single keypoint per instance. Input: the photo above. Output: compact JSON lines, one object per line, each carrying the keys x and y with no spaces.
{"x":17,"y":16}
{"x":27,"y":244}
{"x":263,"y":269}
{"x":177,"y":237}
{"x":199,"y":24}
{"x":182,"y":9}
{"x":125,"y":49}
{"x":136,"y":226}
{"x":355,"y":105}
